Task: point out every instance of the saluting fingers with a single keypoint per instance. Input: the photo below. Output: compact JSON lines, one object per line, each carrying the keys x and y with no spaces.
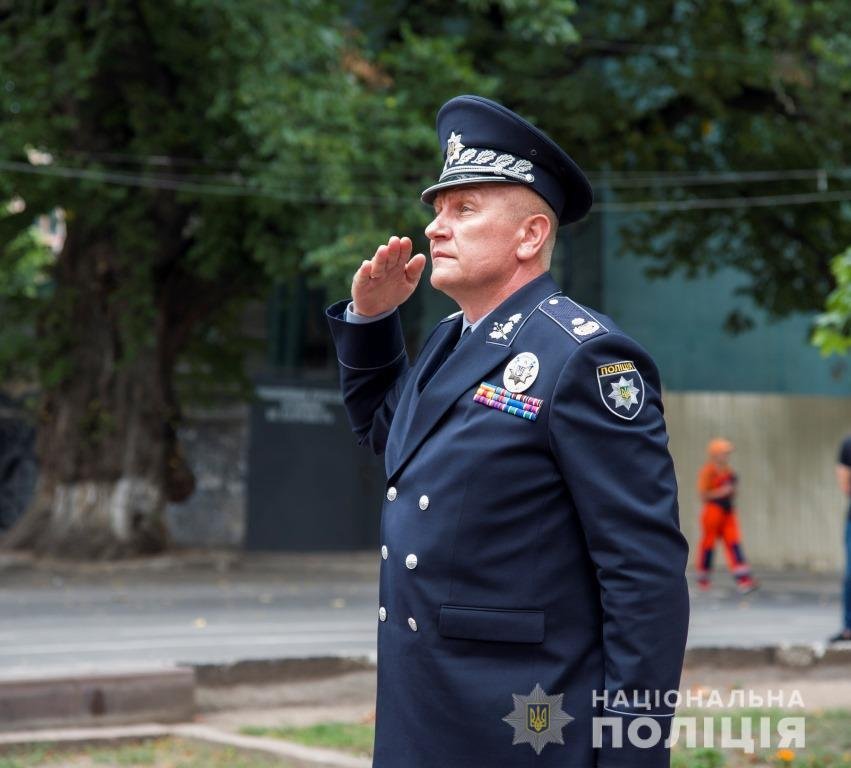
{"x":414,"y":268}
{"x":405,"y":249}
{"x":393,"y":250}
{"x":379,"y":262}
{"x":363,"y":272}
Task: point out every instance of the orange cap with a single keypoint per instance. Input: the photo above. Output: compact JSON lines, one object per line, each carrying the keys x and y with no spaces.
{"x":718,"y":446}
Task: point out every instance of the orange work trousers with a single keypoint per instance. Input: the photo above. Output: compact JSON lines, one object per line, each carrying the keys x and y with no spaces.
{"x":717,"y":523}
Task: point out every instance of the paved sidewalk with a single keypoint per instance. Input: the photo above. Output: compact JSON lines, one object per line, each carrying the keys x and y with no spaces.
{"x":196,"y":608}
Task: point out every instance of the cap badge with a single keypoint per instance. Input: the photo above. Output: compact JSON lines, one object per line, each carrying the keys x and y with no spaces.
{"x":453,"y":147}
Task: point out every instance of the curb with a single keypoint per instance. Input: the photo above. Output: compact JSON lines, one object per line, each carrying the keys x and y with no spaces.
{"x":87,"y":700}
{"x":99,"y":699}
{"x":783,"y":655}
{"x":261,"y":671}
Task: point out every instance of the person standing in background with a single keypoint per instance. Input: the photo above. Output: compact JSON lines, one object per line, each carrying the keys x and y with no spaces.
{"x":843,"y":478}
{"x":716,"y":484}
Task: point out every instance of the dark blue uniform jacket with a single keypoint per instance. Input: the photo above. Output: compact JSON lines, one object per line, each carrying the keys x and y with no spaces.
{"x":515,"y":552}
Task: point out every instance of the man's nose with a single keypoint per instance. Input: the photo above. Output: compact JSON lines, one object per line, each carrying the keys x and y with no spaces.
{"x":436,"y":229}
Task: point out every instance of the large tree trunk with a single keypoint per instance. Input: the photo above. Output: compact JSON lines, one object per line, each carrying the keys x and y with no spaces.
{"x":107,"y":447}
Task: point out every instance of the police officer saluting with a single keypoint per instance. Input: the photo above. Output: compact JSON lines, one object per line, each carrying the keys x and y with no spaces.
{"x":532,"y":596}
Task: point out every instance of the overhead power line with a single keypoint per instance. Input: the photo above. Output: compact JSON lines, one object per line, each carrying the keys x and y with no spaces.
{"x":370,"y":171}
{"x":720,"y":203}
{"x":293,"y":196}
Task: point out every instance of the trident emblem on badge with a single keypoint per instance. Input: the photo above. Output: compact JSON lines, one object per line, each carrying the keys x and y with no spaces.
{"x":538,"y":717}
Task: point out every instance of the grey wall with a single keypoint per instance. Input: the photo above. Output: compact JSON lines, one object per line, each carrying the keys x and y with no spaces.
{"x":790,"y":509}
{"x":215,"y":442}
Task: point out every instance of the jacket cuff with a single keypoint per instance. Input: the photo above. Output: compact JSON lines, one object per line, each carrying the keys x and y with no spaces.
{"x":365,"y":346}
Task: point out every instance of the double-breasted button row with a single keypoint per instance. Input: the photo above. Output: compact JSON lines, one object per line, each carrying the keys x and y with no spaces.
{"x":392,"y":493}
{"x":382,"y":615}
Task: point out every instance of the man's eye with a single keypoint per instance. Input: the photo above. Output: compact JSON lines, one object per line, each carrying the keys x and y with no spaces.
{"x":464,"y":208}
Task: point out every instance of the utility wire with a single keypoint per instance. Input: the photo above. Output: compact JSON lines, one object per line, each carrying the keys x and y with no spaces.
{"x":369,"y":172}
{"x":720,"y":203}
{"x":237,"y":190}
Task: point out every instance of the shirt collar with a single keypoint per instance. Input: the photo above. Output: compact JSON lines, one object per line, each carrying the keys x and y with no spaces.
{"x":465,"y":323}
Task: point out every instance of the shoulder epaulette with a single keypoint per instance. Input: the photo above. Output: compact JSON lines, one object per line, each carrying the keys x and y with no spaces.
{"x":452,"y":316}
{"x":580,"y":324}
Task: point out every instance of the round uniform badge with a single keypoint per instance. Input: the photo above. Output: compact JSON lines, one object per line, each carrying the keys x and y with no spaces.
{"x":521,"y":372}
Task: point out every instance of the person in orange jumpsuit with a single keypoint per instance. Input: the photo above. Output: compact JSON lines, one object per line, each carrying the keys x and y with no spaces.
{"x":716,"y":485}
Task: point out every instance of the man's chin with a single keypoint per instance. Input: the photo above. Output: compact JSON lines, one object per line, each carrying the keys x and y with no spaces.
{"x":441,"y":279}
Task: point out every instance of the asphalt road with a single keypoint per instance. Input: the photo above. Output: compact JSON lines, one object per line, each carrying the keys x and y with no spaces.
{"x":226,"y":608}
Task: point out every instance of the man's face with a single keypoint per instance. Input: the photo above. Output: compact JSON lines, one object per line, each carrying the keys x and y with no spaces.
{"x":474,"y":237}
{"x":722,"y":458}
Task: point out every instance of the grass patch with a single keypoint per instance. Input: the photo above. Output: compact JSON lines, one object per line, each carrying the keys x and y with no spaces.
{"x":828,"y":740}
{"x":350,"y":737}
{"x":150,"y":753}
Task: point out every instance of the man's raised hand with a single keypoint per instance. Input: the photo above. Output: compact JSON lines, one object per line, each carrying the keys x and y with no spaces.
{"x":387,"y":279}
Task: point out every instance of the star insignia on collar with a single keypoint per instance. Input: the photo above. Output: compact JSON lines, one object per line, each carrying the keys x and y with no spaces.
{"x":537,"y":719}
{"x":624,"y":393}
{"x":453,"y":147}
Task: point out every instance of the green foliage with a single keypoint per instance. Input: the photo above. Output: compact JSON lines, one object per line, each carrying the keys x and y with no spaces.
{"x":218,"y":147}
{"x":832,"y":334}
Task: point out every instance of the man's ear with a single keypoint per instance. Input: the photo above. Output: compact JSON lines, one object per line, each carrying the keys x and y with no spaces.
{"x":536,"y":230}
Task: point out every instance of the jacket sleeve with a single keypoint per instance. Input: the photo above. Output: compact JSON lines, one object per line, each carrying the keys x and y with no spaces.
{"x":616,"y":464}
{"x":373,"y":370}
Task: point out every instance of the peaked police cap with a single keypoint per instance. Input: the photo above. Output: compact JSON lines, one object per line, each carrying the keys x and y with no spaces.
{"x":486,"y":142}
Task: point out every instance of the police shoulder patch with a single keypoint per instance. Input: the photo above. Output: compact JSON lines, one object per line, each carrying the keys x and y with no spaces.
{"x":580,"y":324}
{"x":621,"y":388}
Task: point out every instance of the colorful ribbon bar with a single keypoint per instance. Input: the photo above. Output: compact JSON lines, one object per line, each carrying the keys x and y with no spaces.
{"x":509,"y":402}
{"x":491,"y":395}
{"x":513,"y":395}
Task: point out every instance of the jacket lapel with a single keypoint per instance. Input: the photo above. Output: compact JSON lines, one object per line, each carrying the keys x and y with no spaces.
{"x":466,"y":367}
{"x":429,"y":359}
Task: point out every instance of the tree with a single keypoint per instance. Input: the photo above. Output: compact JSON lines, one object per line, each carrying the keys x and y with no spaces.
{"x":185,"y":142}
{"x":832,"y":333}
{"x":203,"y":149}
{"x":675,"y":103}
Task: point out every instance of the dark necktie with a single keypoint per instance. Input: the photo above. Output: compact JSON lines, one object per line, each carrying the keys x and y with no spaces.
{"x":462,"y":338}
